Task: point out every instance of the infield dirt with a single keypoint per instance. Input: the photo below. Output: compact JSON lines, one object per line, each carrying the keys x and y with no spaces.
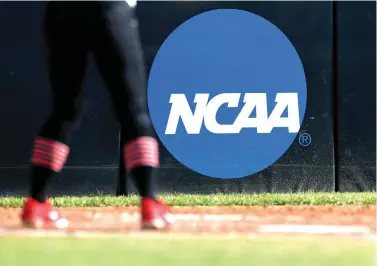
{"x":217,"y":220}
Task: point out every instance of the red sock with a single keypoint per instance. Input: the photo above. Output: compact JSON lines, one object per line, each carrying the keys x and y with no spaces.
{"x":142,"y":160}
{"x":48,"y":157}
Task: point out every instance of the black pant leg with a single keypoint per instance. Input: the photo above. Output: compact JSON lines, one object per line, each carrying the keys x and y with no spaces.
{"x":120,"y":60}
{"x":66,"y":63}
{"x":66,"y":56}
{"x":119,"y":57}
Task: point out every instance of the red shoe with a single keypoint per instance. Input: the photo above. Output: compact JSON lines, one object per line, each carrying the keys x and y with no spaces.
{"x":41,"y":215}
{"x":155,"y":215}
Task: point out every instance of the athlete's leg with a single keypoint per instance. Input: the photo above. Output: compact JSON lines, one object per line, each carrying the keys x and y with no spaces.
{"x":66,"y":61}
{"x":120,"y":61}
{"x":119,"y":58}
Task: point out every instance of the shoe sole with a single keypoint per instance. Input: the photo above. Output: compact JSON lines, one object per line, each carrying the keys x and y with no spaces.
{"x":155,"y":225}
{"x":38,"y":224}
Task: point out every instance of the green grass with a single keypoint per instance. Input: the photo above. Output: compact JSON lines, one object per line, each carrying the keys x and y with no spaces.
{"x":186,"y":252}
{"x":213,"y":200}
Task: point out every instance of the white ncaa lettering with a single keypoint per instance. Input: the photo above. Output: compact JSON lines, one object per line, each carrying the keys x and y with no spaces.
{"x":207,"y":110}
{"x":180,"y":108}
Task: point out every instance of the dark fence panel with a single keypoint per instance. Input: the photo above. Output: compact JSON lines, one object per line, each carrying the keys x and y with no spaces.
{"x":25,"y":103}
{"x":308,"y":26}
{"x":92,"y":166}
{"x":357,"y":95}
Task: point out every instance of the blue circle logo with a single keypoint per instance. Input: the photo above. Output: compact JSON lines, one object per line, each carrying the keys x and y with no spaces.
{"x":227,"y":93}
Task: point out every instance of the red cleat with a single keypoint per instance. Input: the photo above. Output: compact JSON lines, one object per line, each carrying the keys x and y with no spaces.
{"x":39,"y":215}
{"x":155,"y":215}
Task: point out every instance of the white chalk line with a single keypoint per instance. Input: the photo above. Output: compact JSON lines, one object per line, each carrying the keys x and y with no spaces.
{"x":134,"y":217}
{"x":196,"y":217}
{"x":314,"y":229}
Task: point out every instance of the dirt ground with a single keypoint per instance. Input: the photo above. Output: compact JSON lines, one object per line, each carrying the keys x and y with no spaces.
{"x":210,"y":219}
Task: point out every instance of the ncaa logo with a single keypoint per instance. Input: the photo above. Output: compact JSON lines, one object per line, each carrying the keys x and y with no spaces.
{"x":227,"y":93}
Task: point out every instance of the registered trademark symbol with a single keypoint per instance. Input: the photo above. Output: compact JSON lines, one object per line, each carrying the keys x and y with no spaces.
{"x":305,"y":139}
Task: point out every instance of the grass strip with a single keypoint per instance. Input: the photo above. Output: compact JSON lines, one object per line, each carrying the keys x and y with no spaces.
{"x":266,"y":199}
